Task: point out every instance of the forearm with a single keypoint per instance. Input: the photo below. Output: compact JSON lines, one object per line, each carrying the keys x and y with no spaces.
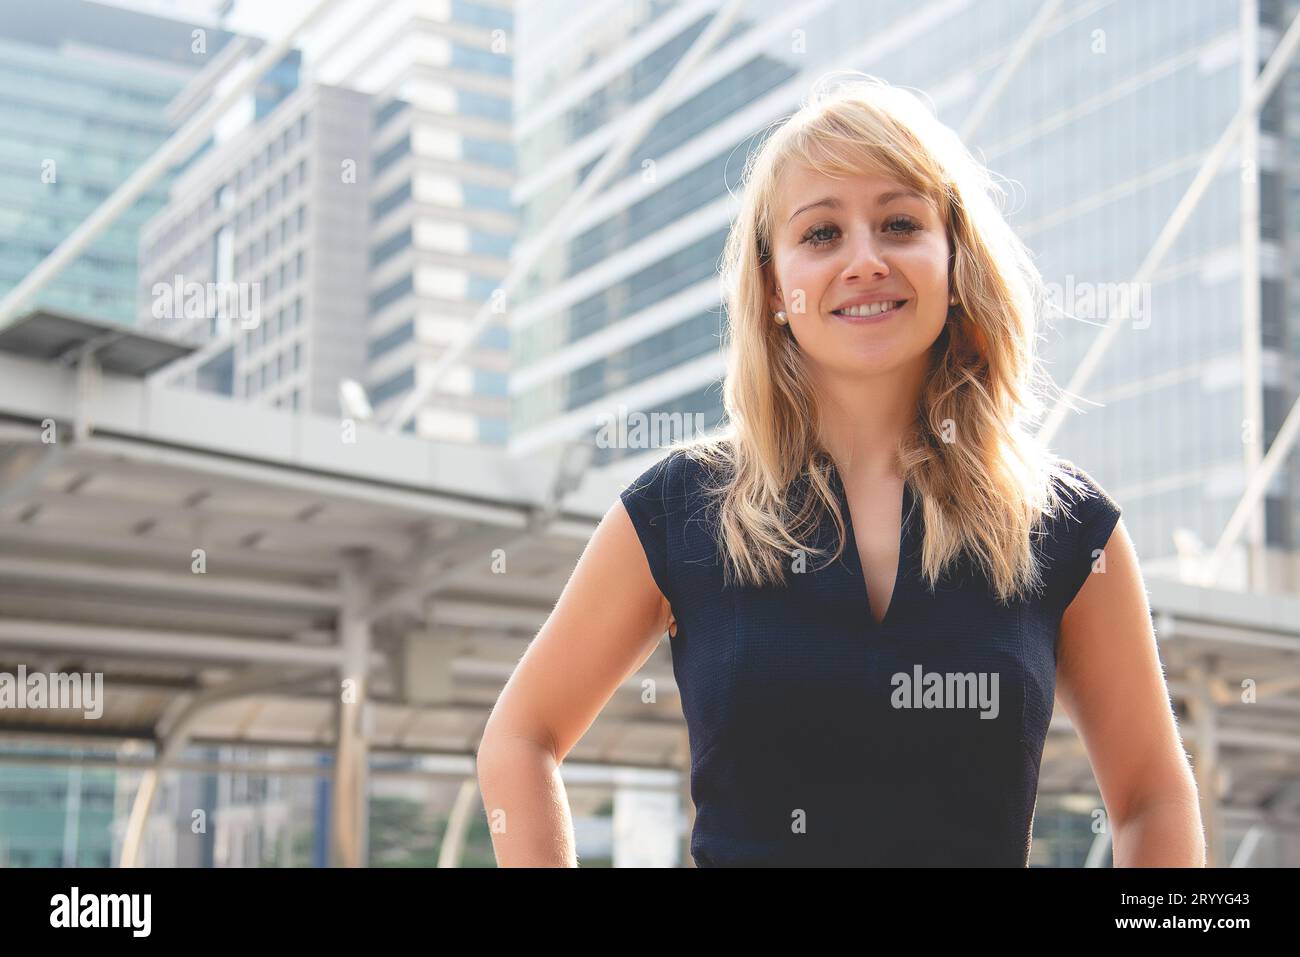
{"x":1161,"y":834}
{"x":527,"y":808}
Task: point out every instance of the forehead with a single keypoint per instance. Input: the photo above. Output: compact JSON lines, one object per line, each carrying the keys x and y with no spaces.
{"x":800,"y":185}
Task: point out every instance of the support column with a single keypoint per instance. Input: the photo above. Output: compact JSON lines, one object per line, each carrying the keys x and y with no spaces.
{"x":1206,"y":719}
{"x":1252,"y":383}
{"x":350,"y":807}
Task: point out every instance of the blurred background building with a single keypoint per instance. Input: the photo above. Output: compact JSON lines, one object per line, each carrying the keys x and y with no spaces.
{"x":370,"y":193}
{"x":86,"y":90}
{"x":276,"y":212}
{"x":1096,"y":140}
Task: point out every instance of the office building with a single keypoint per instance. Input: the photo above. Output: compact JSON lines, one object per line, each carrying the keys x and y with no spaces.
{"x":1098,"y":134}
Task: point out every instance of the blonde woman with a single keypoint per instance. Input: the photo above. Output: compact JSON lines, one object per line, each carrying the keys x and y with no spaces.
{"x":875,"y":580}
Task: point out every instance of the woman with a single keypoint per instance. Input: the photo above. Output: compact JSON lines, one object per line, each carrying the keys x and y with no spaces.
{"x":875,"y":580}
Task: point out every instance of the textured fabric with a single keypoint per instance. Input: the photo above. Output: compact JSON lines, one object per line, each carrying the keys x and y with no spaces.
{"x":801,"y":753}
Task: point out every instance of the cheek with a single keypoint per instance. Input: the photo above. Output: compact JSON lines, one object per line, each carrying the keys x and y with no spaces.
{"x":809,"y":276}
{"x":928,"y":269}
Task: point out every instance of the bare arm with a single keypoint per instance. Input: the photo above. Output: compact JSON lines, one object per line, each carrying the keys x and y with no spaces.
{"x":609,"y":619}
{"x":1112,"y":688}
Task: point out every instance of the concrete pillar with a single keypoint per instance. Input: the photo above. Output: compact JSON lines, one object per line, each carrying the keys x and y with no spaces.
{"x":350,"y":808}
{"x":1205,"y":716}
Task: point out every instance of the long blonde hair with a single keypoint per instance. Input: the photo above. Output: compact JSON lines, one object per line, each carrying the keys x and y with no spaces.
{"x":981,"y":493}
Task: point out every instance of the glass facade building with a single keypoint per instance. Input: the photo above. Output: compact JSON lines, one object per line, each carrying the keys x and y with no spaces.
{"x":1097,"y":136}
{"x":411,"y":248}
{"x":83,"y":92}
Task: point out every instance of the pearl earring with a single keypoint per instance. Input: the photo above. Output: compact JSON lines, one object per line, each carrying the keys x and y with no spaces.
{"x":780,"y":317}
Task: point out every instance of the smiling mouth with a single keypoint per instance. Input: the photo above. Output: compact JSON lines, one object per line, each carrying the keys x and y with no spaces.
{"x":869,"y":311}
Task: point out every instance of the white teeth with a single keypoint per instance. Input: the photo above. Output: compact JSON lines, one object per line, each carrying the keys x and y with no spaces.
{"x":870,"y":309}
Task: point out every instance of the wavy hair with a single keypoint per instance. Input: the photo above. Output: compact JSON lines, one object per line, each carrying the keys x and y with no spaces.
{"x":981,"y":477}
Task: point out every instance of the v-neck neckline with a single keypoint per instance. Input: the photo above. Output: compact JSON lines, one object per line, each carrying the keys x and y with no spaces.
{"x":855,"y":559}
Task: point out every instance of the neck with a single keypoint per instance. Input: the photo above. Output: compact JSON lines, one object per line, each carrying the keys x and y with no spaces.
{"x":863,"y":419}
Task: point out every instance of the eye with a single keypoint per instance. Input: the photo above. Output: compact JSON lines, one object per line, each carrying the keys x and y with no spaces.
{"x":816,"y":230}
{"x":898,"y":226}
{"x":909,"y":225}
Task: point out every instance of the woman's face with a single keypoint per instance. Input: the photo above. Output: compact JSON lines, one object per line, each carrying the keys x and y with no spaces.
{"x":838,"y":241}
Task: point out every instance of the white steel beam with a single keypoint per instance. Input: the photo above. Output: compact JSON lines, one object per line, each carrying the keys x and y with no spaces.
{"x":1210,"y":168}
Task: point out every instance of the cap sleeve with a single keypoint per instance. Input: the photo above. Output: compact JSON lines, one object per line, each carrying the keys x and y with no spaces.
{"x":1088,"y":527}
{"x":651,"y":501}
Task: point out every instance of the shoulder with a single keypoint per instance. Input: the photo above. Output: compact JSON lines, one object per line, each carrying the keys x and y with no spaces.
{"x":680,"y":476}
{"x":1085,"y":500}
{"x":1079,"y":529}
{"x":663,"y":502}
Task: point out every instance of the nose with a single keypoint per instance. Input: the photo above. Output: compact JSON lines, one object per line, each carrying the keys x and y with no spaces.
{"x":866,"y":258}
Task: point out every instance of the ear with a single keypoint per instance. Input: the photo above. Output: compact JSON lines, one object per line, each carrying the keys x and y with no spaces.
{"x":775,"y":300}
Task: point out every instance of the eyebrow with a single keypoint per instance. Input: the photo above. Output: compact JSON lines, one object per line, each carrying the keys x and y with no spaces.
{"x":832,"y":203}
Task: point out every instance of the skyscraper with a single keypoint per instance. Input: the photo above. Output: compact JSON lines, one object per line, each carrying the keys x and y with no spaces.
{"x":276,"y":219}
{"x":416,"y":97}
{"x":85,"y":93}
{"x":1097,"y":135}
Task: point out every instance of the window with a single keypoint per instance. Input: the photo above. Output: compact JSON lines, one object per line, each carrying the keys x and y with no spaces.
{"x":391,"y":339}
{"x":297,"y":363}
{"x":391,"y":155}
{"x":395,"y":386}
{"x":223,"y":255}
{"x":390,"y":247}
{"x":392,"y":293}
{"x":389,"y":110}
{"x":386,"y":204}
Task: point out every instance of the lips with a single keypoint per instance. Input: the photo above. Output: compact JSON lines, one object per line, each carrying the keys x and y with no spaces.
{"x":867,"y":312}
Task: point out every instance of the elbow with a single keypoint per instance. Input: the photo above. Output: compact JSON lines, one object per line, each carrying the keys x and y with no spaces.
{"x":497,"y":746}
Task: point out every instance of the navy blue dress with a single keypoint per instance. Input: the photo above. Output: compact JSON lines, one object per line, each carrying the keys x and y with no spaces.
{"x":821,"y":738}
